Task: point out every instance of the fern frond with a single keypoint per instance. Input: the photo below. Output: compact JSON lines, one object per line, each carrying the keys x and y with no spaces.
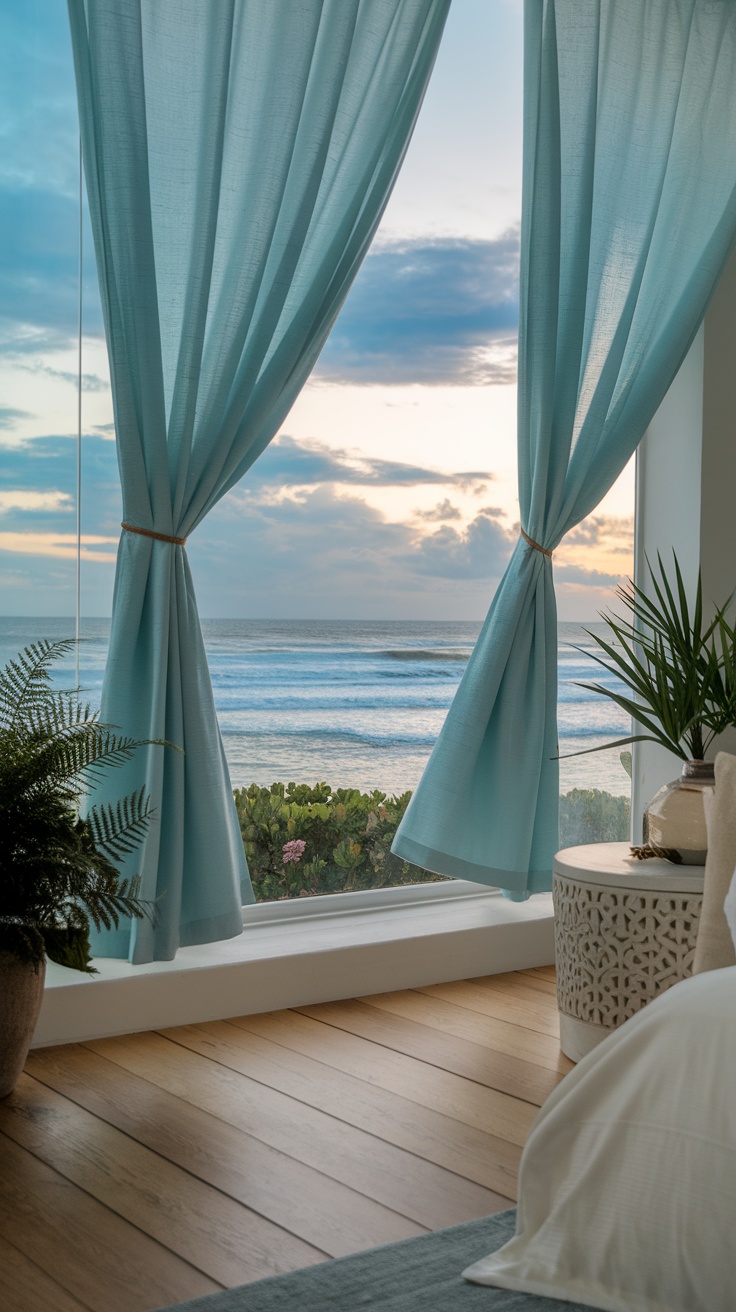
{"x":118,"y":830}
{"x":86,"y":751}
{"x":25,"y":681}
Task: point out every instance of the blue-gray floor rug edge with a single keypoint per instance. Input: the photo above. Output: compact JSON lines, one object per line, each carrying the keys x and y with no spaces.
{"x":414,"y":1275}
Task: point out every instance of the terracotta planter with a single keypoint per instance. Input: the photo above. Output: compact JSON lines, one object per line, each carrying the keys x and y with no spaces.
{"x":21,"y":991}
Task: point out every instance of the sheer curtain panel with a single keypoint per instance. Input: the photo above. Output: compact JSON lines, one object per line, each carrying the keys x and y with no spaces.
{"x":238,"y":157}
{"x":628,"y":214}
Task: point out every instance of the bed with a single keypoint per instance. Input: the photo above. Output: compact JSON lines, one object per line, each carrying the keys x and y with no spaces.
{"x":628,"y":1181}
{"x":627,"y":1187}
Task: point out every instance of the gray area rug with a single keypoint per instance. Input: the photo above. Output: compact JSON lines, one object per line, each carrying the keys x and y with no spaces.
{"x":416,"y":1275}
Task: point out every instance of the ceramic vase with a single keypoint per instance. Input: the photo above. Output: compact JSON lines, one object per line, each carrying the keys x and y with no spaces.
{"x":675,"y":818}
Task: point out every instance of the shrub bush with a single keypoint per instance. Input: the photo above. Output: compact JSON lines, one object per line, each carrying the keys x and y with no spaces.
{"x":346,"y":837}
{"x":588,"y":815}
{"x":302,"y":840}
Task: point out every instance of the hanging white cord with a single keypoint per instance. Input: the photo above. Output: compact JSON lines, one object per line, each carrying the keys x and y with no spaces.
{"x":79,"y":435}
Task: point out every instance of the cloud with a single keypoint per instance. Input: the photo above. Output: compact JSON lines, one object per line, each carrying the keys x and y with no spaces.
{"x":441,"y":311}
{"x":594,"y":556}
{"x":10,"y":417}
{"x":40,"y":269}
{"x":37,"y":538}
{"x":480,"y":551}
{"x":327,"y":552}
{"x":589,"y":578}
{"x":612,"y":533}
{"x":19,"y":339}
{"x":287,"y":463}
{"x":432,"y":312}
{"x":316,"y":548}
{"x":38,"y":485}
{"x":39,"y":266}
{"x":90,"y":382}
{"x":43,"y":501}
{"x":444,"y":510}
{"x":317,"y":536}
{"x":60,"y":545}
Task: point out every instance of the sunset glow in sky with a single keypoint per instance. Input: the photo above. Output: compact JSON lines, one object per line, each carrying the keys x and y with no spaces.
{"x":391,"y":490}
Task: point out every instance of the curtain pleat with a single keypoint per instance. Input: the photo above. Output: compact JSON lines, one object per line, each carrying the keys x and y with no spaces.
{"x":238,"y":157}
{"x":628,"y":216}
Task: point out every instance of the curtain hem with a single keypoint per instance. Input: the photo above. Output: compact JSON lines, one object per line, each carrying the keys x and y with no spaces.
{"x":213,"y":930}
{"x":444,"y":863}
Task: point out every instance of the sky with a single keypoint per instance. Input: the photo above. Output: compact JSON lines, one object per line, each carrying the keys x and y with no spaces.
{"x":390,"y":491}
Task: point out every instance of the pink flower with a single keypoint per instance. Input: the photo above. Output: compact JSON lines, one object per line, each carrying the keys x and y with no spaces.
{"x":293,"y":851}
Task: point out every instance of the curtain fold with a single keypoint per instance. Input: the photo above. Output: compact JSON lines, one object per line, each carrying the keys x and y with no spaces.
{"x":238,"y":157}
{"x":628,"y":216}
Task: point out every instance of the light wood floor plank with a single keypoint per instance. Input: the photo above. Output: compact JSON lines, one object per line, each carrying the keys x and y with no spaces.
{"x":25,"y":1287}
{"x":528,"y":1012}
{"x":503,"y":1036}
{"x":529,"y":988}
{"x":476,"y":1154}
{"x":512,"y":1075}
{"x":541,"y":982}
{"x":439,"y":1090}
{"x":53,"y":1223}
{"x":321,"y":1211}
{"x":421,"y":1190}
{"x":545,"y":972}
{"x":228,"y":1242}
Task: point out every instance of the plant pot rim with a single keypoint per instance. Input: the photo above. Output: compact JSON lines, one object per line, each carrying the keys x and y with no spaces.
{"x":698,"y":771}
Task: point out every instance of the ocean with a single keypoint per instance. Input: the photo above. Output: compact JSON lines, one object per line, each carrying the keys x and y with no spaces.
{"x":355,"y":703}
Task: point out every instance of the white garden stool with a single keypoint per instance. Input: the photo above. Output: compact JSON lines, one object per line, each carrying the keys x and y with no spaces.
{"x":624,"y":932}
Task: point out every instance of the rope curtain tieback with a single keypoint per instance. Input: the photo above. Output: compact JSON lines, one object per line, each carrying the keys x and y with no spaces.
{"x":149,"y":533}
{"x":534,"y":544}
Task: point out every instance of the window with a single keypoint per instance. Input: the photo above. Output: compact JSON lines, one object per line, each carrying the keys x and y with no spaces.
{"x":386,"y":508}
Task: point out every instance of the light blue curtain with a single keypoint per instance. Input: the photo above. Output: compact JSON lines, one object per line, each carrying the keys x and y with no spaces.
{"x":238,"y":156}
{"x":629,"y":211}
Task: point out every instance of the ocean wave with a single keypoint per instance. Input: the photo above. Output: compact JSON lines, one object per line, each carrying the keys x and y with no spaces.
{"x":421,"y":654}
{"x":402,"y":682}
{"x":334,"y":736}
{"x":606,"y":732}
{"x":589,"y":673}
{"x":579,"y":697}
{"x":405,"y":702}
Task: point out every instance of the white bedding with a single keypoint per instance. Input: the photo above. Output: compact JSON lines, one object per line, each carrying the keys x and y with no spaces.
{"x":628,"y":1181}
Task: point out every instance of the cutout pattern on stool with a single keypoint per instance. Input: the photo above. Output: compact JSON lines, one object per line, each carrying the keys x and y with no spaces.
{"x":616,"y":949}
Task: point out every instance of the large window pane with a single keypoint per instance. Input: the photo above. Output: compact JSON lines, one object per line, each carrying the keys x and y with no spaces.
{"x":356,"y":562}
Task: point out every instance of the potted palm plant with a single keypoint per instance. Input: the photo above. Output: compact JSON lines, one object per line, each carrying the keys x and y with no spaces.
{"x":679,"y":687}
{"x":58,"y":869}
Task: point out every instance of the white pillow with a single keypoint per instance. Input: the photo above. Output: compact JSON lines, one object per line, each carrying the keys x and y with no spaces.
{"x":628,"y":1180}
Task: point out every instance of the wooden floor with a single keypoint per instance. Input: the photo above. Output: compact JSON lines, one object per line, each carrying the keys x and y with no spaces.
{"x":142,"y":1171}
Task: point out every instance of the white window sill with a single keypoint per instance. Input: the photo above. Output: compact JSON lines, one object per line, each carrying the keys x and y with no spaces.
{"x":306,"y":951}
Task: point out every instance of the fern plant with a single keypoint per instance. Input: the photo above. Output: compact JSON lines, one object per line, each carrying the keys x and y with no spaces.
{"x":58,"y":869}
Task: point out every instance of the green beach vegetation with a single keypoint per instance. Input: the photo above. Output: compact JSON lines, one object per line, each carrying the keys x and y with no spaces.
{"x":590,"y":815}
{"x":302,"y":840}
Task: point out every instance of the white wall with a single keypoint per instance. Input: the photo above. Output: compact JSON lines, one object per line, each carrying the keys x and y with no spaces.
{"x":686,"y":495}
